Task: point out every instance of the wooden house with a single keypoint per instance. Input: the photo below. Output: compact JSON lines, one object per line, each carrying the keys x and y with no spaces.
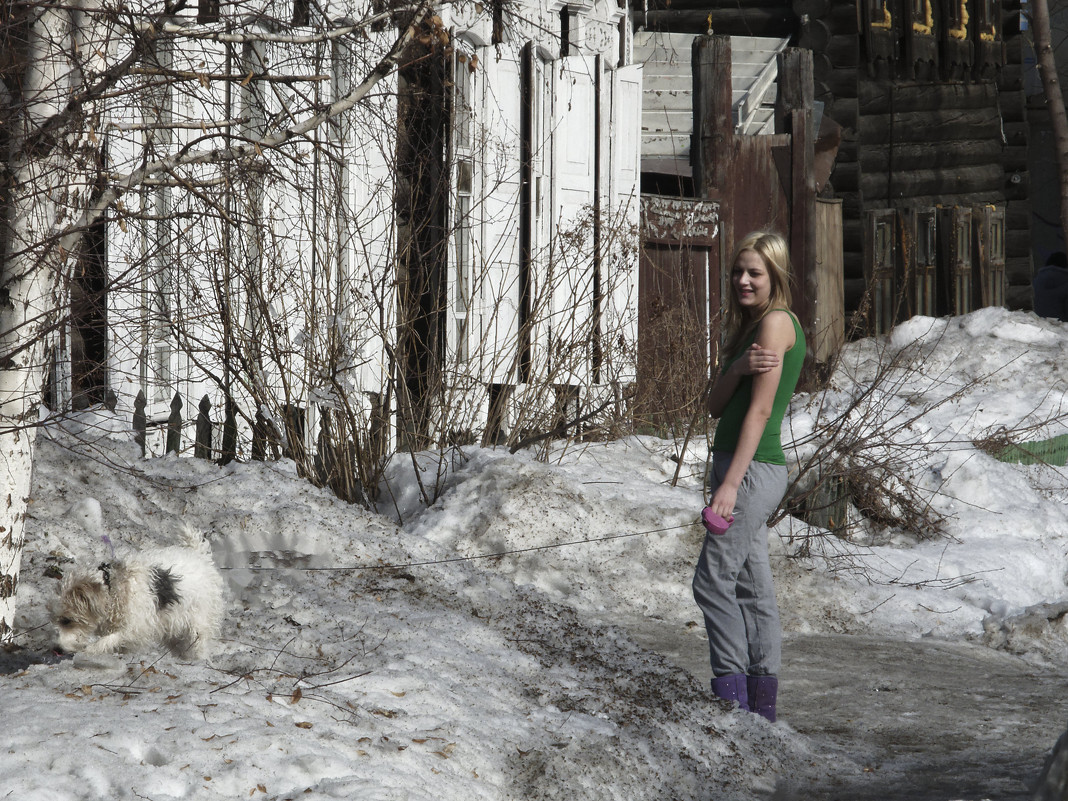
{"x":729,"y":146}
{"x":450,"y":258}
{"x":931,"y":167}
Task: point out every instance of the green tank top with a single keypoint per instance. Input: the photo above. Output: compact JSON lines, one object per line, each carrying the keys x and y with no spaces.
{"x":730,"y":423}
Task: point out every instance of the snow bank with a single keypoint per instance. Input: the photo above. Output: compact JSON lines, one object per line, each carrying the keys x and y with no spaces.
{"x":338,"y":677}
{"x":485,"y":647}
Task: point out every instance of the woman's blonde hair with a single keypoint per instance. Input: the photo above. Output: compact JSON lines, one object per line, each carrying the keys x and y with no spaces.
{"x":772,"y":248}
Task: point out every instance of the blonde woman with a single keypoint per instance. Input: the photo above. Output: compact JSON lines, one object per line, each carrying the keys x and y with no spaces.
{"x":733,"y":584}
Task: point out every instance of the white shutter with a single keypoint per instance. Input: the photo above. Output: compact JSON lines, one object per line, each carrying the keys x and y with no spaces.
{"x":571,"y":255}
{"x":498,"y":283}
{"x":619,"y":267}
{"x":624,"y":137}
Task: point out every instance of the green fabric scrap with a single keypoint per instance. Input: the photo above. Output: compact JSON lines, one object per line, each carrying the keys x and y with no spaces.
{"x":1046,"y":451}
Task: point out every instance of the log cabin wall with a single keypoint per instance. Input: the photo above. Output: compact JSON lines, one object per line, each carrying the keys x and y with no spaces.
{"x":941,"y":120}
{"x":930,"y":98}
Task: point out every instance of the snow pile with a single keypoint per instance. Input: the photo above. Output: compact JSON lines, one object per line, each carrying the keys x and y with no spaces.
{"x":455,"y":679}
{"x":495,"y":644}
{"x":920,"y":401}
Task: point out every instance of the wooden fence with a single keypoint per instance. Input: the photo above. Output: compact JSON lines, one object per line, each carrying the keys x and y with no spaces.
{"x":344,"y":464}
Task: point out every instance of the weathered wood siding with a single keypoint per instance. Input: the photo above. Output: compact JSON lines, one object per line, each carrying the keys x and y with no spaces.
{"x":940,"y":121}
{"x":828,"y":323}
{"x":679,"y":297}
{"x":723,"y":17}
{"x":932,"y":110}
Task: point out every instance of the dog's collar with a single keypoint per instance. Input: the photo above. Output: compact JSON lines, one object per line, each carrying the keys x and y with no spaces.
{"x":105,"y":570}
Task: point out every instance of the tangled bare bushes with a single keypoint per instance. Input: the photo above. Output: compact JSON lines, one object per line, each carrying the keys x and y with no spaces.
{"x":870,"y":465}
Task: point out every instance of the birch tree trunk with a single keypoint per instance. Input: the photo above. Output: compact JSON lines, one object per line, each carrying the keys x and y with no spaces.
{"x":49,"y":184}
{"x":1051,"y":83}
{"x":39,"y":184}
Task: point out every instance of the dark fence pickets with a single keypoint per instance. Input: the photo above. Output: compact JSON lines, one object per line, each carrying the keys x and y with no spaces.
{"x":335,"y":463}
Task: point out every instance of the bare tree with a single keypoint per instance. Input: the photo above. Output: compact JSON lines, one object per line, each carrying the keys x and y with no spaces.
{"x":1051,"y":83}
{"x":292,"y":206}
{"x":65,"y":67}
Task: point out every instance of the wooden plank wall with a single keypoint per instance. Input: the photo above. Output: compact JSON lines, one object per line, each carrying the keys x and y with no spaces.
{"x":923,"y":140}
{"x":831,"y":32}
{"x":910,"y":136}
{"x":828,"y":324}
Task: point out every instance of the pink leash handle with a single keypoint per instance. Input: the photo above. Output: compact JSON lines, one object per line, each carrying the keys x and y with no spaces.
{"x":714,"y":523}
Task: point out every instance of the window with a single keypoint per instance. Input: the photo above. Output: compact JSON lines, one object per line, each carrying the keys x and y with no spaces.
{"x":879,"y":14}
{"x":957,"y":18}
{"x":464,"y":258}
{"x":995,"y":277}
{"x":989,"y":22}
{"x":925,"y":264}
{"x":956,"y":260}
{"x":990,"y":254}
{"x":955,"y":12}
{"x":463,"y":219}
{"x":569,"y":32}
{"x":922,"y":16}
{"x":207,"y":11}
{"x":881,"y":34}
{"x":497,"y":10}
{"x":963,"y":287}
{"x":302,"y":12}
{"x":160,"y":255}
{"x":882,"y":261}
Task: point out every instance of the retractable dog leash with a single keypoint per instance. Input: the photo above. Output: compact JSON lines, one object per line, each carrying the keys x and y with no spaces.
{"x":453,"y":559}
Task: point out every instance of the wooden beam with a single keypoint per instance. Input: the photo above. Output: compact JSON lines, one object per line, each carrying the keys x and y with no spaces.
{"x":794,"y":108}
{"x":882,"y":97}
{"x":934,"y":127}
{"x":713,"y":125}
{"x":954,"y":153}
{"x":722,"y":21}
{"x":943,"y":183}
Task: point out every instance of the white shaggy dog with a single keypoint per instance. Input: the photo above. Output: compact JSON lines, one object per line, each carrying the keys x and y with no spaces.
{"x":166,"y":596}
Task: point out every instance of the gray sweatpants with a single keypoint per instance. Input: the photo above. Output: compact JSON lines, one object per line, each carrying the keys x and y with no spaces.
{"x":733,"y":583}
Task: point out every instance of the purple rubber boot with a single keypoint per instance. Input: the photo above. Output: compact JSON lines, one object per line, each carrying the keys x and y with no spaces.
{"x":732,"y":688}
{"x":762,"y":691}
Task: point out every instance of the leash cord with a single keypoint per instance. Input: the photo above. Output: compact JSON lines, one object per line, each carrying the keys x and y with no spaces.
{"x":454,"y":559}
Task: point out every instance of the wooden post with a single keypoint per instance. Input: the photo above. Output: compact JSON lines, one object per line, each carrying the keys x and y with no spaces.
{"x":712,"y":151}
{"x":202,"y":446}
{"x":713,"y":137}
{"x":325,"y":460}
{"x":140,"y":420}
{"x":229,"y":435}
{"x":795,"y":103}
{"x":259,"y":437}
{"x":174,"y":425}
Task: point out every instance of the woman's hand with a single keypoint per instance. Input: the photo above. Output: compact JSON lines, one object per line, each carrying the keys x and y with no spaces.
{"x":756,"y":360}
{"x":723,"y":501}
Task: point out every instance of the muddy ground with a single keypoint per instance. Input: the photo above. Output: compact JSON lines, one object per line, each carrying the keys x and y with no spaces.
{"x":922,"y":720}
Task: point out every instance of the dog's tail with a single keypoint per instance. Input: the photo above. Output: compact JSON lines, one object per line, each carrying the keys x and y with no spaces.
{"x":192,"y":537}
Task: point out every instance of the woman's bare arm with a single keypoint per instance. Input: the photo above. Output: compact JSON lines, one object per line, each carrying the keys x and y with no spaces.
{"x":755,"y":360}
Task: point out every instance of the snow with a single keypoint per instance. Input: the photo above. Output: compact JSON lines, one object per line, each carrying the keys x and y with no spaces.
{"x":399,"y":655}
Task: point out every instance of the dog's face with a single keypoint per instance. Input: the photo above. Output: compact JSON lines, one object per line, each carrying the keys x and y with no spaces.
{"x":78,"y":612}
